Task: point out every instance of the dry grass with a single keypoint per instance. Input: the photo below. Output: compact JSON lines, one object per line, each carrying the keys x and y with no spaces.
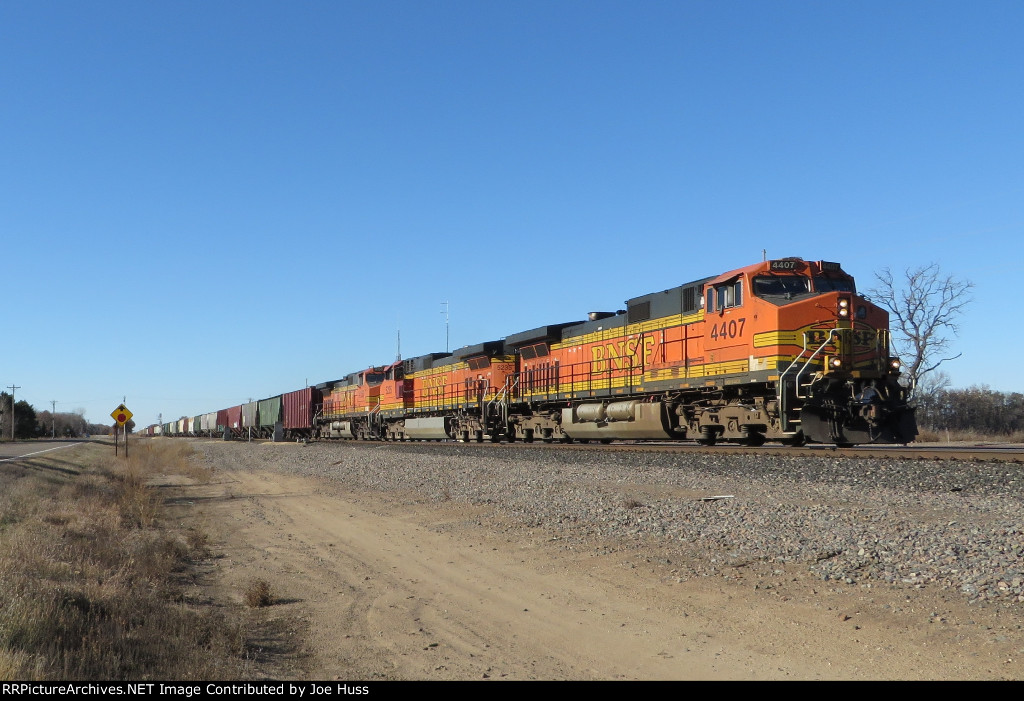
{"x":258,"y":594}
{"x":165,"y":456}
{"x":90,"y":579}
{"x":926,"y":435}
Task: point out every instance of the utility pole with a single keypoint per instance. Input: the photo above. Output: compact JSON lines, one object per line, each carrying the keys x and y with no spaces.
{"x":12,"y":388}
{"x":53,"y":419}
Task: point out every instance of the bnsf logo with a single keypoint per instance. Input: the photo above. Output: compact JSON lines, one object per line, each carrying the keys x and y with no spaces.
{"x":864,"y":339}
{"x":621,"y":355}
{"x":434,"y":381}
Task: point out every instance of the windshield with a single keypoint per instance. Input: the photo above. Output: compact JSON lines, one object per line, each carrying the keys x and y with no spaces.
{"x":781,"y":285}
{"x":833,"y":284}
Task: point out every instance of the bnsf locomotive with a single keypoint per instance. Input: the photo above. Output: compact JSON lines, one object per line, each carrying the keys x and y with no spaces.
{"x":783,"y":350}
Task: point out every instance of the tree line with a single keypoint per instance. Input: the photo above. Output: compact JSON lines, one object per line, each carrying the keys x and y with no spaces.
{"x":975,"y":409}
{"x":31,"y":424}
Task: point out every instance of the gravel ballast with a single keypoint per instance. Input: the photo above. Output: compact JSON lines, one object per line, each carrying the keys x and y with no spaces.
{"x":854,"y":521}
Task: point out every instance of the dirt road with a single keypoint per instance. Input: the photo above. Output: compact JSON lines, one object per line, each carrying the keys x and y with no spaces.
{"x":372,"y":586}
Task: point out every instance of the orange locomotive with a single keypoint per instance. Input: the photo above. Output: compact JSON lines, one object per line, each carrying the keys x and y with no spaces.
{"x":432,"y":397}
{"x":352,"y":407}
{"x":783,"y":350}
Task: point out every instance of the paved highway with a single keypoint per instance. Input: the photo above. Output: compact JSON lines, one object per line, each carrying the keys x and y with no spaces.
{"x":22,"y":449}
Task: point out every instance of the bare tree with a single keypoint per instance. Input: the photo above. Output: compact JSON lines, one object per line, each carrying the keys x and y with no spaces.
{"x":924,"y":308}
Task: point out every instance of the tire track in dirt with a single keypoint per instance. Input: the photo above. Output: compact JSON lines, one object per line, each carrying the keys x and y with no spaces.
{"x":389,"y":596}
{"x":384,"y":589}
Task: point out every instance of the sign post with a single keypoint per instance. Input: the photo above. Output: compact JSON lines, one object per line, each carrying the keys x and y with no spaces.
{"x":121,"y":415}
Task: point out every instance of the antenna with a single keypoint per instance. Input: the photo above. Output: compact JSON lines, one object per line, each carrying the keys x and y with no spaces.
{"x":445,"y":312}
{"x":398,"y":332}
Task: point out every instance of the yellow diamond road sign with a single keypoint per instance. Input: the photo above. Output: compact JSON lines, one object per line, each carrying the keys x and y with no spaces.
{"x":121,"y":415}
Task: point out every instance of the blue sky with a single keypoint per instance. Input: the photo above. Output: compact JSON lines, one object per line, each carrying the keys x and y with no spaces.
{"x":203,"y":203}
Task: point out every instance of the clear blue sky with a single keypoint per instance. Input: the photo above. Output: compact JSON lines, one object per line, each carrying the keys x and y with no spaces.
{"x":203,"y":203}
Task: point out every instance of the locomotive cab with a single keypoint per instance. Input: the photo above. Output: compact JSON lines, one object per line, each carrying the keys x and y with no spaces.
{"x":838,"y":382}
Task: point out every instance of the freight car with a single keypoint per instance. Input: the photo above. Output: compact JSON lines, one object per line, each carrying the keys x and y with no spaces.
{"x":783,"y":350}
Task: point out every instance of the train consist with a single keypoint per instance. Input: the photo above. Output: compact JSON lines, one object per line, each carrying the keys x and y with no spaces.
{"x":784,"y":350}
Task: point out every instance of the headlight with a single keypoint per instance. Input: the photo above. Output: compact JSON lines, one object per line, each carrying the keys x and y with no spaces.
{"x":844,"y":308}
{"x":836,"y":363}
{"x":895,"y":364}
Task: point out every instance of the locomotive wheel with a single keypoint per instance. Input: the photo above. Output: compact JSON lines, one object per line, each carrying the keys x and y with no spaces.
{"x":707,"y":436}
{"x":754,"y":439}
{"x":796,"y":441}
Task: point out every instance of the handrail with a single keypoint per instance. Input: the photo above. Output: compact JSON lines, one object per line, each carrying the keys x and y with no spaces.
{"x":583,"y":373}
{"x":501,"y":398}
{"x":782,"y":377}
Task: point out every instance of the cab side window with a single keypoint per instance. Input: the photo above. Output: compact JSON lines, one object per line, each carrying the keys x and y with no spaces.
{"x":728,"y":295}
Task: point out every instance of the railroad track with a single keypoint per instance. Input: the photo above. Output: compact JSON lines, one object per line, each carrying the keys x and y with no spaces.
{"x":982,"y":452}
{"x":965,"y":453}
{"x":1008,"y":453}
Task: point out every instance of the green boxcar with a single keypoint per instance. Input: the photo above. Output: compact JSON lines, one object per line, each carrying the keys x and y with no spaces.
{"x":270,"y":412}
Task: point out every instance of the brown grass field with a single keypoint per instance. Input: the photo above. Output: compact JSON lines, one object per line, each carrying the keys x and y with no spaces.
{"x":94,"y":577}
{"x":940,"y":436}
{"x":99,"y":580}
